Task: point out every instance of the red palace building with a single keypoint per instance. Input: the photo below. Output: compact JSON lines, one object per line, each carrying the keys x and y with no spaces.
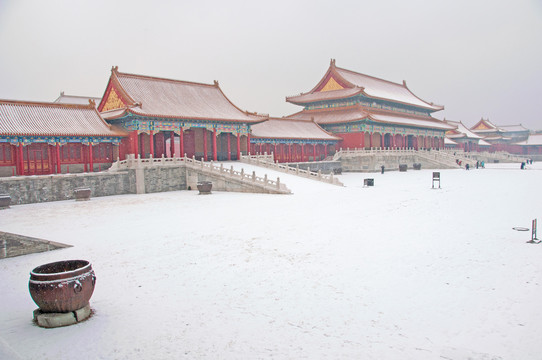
{"x":172,"y":117}
{"x":367,"y":112}
{"x":48,"y":138}
{"x":154,"y":117}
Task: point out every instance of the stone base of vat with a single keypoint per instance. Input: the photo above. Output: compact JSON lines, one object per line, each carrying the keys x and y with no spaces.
{"x":53,"y":320}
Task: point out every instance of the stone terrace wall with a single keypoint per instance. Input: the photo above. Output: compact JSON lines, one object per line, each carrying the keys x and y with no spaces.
{"x":35,"y":189}
{"x":160,"y":179}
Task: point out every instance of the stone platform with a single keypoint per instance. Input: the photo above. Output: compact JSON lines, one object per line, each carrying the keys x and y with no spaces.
{"x":53,"y":320}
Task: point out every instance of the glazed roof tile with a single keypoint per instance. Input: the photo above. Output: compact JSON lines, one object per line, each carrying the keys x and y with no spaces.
{"x":332,"y":116}
{"x":532,"y":140}
{"x":461,"y":131}
{"x":152,"y":96}
{"x":52,"y":119}
{"x":513,"y":128}
{"x":74,"y":99}
{"x":370,"y":86}
{"x":357,"y":113}
{"x":282,"y":128}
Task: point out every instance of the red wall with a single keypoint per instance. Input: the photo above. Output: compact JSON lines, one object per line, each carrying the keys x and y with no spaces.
{"x":350,"y":140}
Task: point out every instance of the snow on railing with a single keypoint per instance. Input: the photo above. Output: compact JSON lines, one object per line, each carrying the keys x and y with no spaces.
{"x":205,"y":167}
{"x":267,"y":161}
{"x":429,"y":154}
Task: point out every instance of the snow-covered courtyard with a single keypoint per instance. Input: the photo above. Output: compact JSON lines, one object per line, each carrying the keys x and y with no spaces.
{"x":394,"y":271}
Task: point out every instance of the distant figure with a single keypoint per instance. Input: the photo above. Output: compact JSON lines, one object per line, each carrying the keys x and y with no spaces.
{"x":477,"y":163}
{"x":466,"y":166}
{"x":382,"y":169}
{"x":483,"y":164}
{"x":522,"y":165}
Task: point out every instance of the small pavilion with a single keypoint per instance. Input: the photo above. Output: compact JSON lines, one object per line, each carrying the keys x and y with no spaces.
{"x":186,"y":117}
{"x":367,"y":112}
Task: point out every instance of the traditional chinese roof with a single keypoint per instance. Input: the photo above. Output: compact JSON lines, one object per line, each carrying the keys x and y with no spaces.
{"x":283,"y":128}
{"x":73,"y":99}
{"x":166,"y":98}
{"x":484,"y":126}
{"x":513,"y":128}
{"x":460,"y":131}
{"x":358,"y":113}
{"x":340,"y":83}
{"x":24,"y":118}
{"x":532,"y":140}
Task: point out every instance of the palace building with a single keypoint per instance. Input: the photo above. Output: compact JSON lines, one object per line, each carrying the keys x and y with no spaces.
{"x":291,"y":140}
{"x":367,"y":112}
{"x":501,"y":138}
{"x":52,"y":138}
{"x":160,"y":113}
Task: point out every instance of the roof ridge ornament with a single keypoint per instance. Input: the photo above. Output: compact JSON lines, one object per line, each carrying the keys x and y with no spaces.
{"x":216,"y":82}
{"x":114,"y":68}
{"x":332,"y":63}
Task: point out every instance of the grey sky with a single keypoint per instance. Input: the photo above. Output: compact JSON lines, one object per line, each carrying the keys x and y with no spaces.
{"x":477,"y":58}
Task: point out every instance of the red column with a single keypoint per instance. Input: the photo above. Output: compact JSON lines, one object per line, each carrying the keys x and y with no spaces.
{"x":58,"y":166}
{"x":90,"y":158}
{"x":302,"y":152}
{"x":151,"y":143}
{"x":229,"y":147}
{"x":204,"y":144}
{"x":20,"y":159}
{"x":363,"y":139}
{"x":325,"y":151}
{"x":181,"y":141}
{"x":248,"y":143}
{"x":172,"y":144}
{"x":215,"y":152}
{"x":289,"y":152}
{"x":313,"y":152}
{"x":381,"y":140}
{"x":238,"y":146}
{"x":371,"y":140}
{"x":135,"y":143}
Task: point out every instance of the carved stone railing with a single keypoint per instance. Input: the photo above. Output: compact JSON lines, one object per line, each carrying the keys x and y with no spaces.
{"x":209,"y":168}
{"x":267,"y":162}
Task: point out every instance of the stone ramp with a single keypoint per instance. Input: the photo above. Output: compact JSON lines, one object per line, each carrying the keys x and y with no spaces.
{"x":12,"y":245}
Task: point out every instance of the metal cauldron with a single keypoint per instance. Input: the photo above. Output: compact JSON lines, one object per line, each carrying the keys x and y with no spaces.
{"x":62,"y":286}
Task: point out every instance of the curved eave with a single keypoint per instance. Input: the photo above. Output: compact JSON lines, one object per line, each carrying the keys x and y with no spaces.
{"x":116,"y":134}
{"x":293,"y":138}
{"x":187,"y":118}
{"x":292,"y":99}
{"x":438,"y":126}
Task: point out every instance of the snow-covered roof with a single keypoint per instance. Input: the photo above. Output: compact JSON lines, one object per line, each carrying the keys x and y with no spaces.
{"x":358,"y":113}
{"x":159,"y":97}
{"x":461,"y":131}
{"x":74,"y":99}
{"x":52,"y":119}
{"x":342,"y":83}
{"x":282,"y":128}
{"x":532,"y":140}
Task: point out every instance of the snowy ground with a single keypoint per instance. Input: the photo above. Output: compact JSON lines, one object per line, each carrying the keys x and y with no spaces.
{"x":397,"y":271}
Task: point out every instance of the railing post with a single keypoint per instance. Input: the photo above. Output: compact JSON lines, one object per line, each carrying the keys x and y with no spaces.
{"x":278,"y":183}
{"x":254,"y":176}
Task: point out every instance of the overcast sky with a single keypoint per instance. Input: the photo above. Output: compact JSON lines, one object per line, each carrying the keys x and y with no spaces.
{"x":477,"y":58}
